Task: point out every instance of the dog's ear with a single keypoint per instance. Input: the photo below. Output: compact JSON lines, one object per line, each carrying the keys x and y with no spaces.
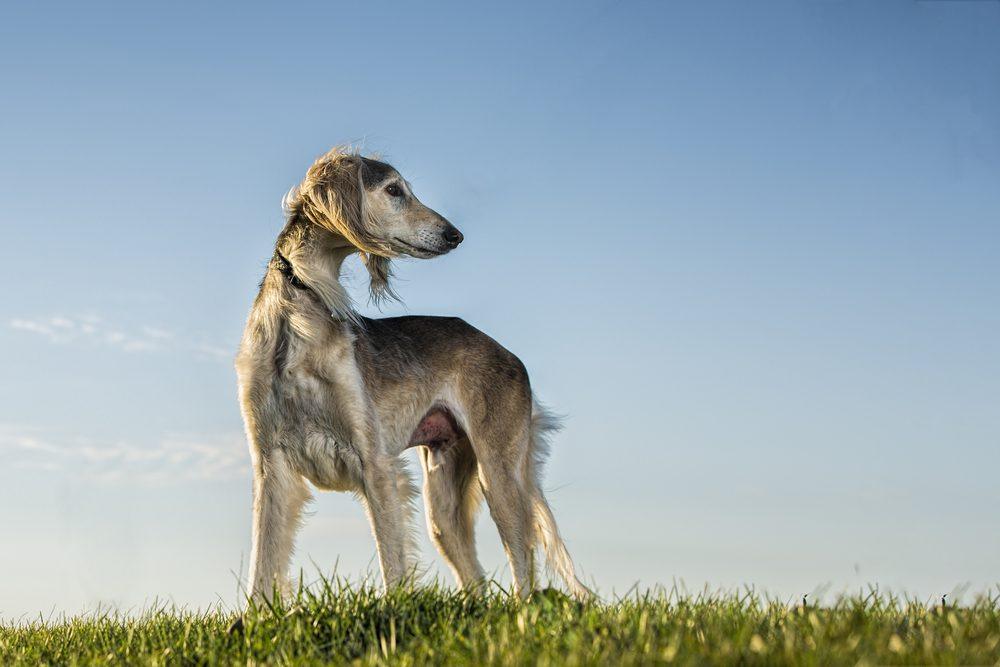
{"x":333,"y":195}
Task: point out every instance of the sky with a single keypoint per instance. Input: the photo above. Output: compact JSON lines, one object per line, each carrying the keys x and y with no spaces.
{"x":749,"y":250}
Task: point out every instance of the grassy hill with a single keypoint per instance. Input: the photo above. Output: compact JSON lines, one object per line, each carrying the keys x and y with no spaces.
{"x":338,"y":624}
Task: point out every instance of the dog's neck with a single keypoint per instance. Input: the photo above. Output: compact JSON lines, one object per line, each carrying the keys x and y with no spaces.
{"x":310,"y":259}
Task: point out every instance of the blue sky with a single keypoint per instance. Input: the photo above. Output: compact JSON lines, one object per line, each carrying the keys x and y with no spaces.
{"x":750,"y":250}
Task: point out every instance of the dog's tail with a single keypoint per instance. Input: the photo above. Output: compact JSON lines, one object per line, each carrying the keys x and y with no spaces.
{"x":543,"y":424}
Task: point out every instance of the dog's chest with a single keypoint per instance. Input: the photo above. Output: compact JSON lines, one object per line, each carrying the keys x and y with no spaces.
{"x":326,"y":410}
{"x":322,"y":377}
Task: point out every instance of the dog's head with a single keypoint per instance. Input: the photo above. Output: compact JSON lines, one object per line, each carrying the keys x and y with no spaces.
{"x":372,"y":208}
{"x":404,"y":224}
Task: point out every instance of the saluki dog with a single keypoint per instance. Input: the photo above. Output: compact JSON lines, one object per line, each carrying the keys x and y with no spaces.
{"x":334,"y":398}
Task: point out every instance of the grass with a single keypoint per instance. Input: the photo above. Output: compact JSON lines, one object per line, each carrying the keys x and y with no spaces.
{"x":334,"y":623}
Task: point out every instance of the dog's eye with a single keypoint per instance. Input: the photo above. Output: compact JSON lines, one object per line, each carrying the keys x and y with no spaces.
{"x":393,"y":190}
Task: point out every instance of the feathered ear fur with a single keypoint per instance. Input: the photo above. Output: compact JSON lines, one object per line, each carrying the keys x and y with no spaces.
{"x":380,"y":274}
{"x":332,"y":195}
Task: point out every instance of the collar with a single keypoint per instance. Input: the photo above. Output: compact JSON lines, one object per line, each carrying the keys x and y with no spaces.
{"x":341,"y":308}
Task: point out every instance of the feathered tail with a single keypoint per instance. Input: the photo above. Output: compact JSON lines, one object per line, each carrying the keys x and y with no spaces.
{"x":543,"y":424}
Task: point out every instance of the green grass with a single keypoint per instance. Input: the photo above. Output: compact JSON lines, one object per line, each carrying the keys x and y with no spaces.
{"x":338,"y":624}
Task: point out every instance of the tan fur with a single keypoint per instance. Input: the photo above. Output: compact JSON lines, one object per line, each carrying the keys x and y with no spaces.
{"x":334,"y":398}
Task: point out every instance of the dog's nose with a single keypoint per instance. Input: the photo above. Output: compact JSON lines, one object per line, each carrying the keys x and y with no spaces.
{"x":452,"y":237}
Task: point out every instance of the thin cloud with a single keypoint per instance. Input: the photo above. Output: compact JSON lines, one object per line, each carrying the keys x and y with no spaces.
{"x":215,"y":352}
{"x":95,"y":330}
{"x":170,"y":460}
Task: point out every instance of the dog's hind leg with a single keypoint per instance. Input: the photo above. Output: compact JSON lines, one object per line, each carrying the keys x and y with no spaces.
{"x":452,"y":496}
{"x":507,"y":495}
{"x":279,"y":493}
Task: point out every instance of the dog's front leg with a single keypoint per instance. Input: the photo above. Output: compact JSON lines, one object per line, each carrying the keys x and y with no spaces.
{"x":386,"y":503}
{"x":278,"y":496}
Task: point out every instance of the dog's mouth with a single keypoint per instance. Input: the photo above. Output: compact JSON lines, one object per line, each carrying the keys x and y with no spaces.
{"x":417,"y":251}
